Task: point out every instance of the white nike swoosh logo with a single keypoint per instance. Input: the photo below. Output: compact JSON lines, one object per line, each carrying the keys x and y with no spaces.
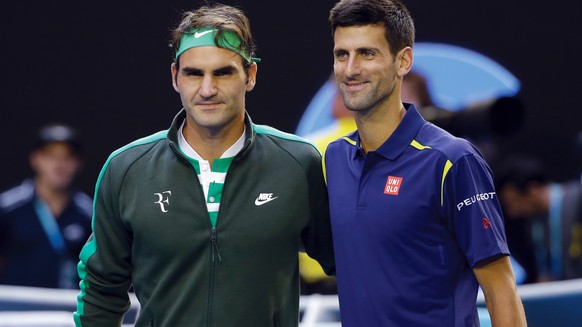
{"x":261,"y":202}
{"x":197,"y":35}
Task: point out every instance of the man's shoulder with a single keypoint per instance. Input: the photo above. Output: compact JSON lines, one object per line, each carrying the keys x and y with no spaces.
{"x":450,"y":146}
{"x":342,"y":144}
{"x":136,"y":149}
{"x":291,"y":143}
{"x":17,"y":196}
{"x":347,"y":139}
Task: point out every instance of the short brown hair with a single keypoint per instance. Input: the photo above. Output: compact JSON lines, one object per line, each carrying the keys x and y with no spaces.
{"x":221,"y":17}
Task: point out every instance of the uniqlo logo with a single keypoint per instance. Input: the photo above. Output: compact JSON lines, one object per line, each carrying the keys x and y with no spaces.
{"x":393,"y":185}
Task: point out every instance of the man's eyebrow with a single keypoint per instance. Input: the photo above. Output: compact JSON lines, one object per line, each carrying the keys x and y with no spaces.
{"x":197,"y":71}
{"x":191,"y":70}
{"x":362,"y":49}
{"x":224,"y":70}
{"x":358,"y":50}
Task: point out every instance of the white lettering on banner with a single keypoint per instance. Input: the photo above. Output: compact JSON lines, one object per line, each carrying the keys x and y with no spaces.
{"x":475,"y":198}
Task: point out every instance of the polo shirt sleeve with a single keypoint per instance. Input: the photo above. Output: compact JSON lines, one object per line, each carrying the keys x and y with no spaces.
{"x":472,"y":210}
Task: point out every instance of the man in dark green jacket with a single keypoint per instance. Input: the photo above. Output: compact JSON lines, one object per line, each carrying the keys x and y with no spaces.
{"x":205,"y":220}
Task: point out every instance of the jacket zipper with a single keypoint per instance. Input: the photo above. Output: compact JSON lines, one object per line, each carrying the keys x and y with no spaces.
{"x":214,"y":241}
{"x":215,"y":254}
{"x":214,"y":251}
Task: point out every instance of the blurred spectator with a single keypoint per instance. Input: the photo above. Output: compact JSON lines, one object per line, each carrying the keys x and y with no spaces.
{"x":543,"y":218}
{"x":44,"y":222}
{"x":415,"y":90}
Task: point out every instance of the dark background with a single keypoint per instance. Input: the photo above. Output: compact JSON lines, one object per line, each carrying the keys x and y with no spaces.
{"x":104,"y":67}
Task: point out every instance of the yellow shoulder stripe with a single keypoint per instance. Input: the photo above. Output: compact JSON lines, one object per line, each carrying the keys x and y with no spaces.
{"x":448,"y":166}
{"x":419,"y":146}
{"x":446,"y":169}
{"x":350,"y":141}
{"x":324,"y":169}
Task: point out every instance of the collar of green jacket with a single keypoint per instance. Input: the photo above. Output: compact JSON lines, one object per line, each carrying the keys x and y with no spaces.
{"x":179,"y":118}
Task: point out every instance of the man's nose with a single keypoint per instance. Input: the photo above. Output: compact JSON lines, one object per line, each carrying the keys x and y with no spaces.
{"x":208,"y":87}
{"x":352,"y":67}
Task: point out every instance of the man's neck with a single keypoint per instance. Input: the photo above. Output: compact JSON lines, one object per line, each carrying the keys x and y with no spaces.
{"x":375,"y":126}
{"x":212,"y":143}
{"x":56,"y":200}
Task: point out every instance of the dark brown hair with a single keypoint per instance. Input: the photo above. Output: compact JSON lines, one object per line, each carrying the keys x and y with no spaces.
{"x":392,"y":14}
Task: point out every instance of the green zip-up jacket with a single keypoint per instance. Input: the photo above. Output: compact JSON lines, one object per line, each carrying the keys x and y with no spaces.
{"x":151,"y":230}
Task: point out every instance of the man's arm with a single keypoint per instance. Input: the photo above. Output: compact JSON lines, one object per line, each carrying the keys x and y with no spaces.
{"x":498,"y":284}
{"x":317,"y":236}
{"x":104,"y":267}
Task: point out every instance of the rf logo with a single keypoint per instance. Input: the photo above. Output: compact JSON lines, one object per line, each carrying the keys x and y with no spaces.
{"x":163,"y":200}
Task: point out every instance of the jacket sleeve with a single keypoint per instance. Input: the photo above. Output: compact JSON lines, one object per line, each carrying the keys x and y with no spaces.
{"x":317,"y":237}
{"x":104,"y":266}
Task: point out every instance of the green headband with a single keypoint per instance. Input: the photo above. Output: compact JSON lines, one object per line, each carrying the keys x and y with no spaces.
{"x":204,"y":36}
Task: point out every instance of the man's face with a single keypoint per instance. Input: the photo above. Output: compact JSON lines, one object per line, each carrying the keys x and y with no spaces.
{"x":364,"y":67}
{"x":212,"y":84}
{"x":55,"y":165}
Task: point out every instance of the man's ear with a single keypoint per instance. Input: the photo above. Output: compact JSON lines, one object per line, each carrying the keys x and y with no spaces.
{"x":174,"y":72}
{"x":404,"y":60}
{"x":252,"y":77}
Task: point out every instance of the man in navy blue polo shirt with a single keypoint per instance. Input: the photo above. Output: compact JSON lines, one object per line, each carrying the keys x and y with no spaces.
{"x":416,"y":222}
{"x":44,"y":222}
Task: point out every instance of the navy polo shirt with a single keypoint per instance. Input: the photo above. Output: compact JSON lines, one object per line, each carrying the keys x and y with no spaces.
{"x":29,"y":259}
{"x":410,"y":221}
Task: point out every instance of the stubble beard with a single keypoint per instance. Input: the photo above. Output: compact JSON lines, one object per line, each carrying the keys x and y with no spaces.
{"x":366,"y":104}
